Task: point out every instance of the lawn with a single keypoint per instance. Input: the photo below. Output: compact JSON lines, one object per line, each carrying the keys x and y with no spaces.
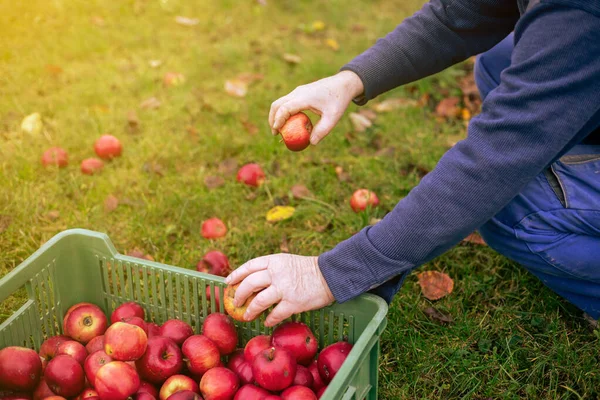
{"x":85,"y":66}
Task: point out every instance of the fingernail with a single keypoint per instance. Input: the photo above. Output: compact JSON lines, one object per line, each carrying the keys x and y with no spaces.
{"x":246,"y":316}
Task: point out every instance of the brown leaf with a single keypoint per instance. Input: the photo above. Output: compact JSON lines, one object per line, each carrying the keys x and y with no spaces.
{"x":385,"y":152}
{"x":111,"y":203}
{"x":437,"y":315}
{"x":137,"y":253}
{"x":292,"y":58}
{"x":151,"y":103}
{"x":342,"y":175}
{"x":448,"y":108}
{"x":300,"y":191}
{"x":250,"y":127}
{"x":435,"y":285}
{"x":53,"y":215}
{"x":213,"y":182}
{"x":468,"y":86}
{"x":394,"y":104}
{"x":228,"y":166}
{"x":357,"y":28}
{"x":322,"y":228}
{"x":251,"y":195}
{"x":54,"y":70}
{"x":191,"y":131}
{"x":5,"y":221}
{"x":236,"y":88}
{"x":132,"y":120}
{"x":360,"y":122}
{"x":284,"y":246}
{"x":97,"y":20}
{"x":474,"y":238}
{"x":185,"y":21}
{"x":370,"y":114}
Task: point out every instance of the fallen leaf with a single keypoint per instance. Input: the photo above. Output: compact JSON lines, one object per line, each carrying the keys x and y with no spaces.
{"x":111,"y":203}
{"x":468,"y":86}
{"x":54,"y":70}
{"x":437,"y":315}
{"x":385,"y":152}
{"x":213,"y":182}
{"x":97,"y":20}
{"x":173,"y":79}
{"x":292,"y":58}
{"x":280,"y":201}
{"x":185,"y":21}
{"x":236,"y":88}
{"x":300,"y":191}
{"x":280,"y":213}
{"x":394,"y":104}
{"x":358,"y":28}
{"x":191,"y":131}
{"x":228,"y":166}
{"x":284,"y":246}
{"x":435,"y":285}
{"x":342,"y":175}
{"x":32,"y":123}
{"x":155,"y":63}
{"x":53,"y":215}
{"x":465,"y":114}
{"x":151,"y":103}
{"x":420,"y":170}
{"x":448,"y":108}
{"x":137,"y":253}
{"x":332,"y":44}
{"x":132,"y":120}
{"x":475,"y":238}
{"x":318,"y":26}
{"x":250,"y":127}
{"x":5,"y":221}
{"x":321,"y":228}
{"x":370,"y":114}
{"x":360,"y":122}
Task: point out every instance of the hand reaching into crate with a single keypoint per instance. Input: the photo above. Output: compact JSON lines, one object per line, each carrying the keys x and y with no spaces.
{"x":294,"y":283}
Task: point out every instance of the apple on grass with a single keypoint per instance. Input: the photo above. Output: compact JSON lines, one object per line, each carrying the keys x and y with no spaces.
{"x":177,"y":330}
{"x":363,"y":199}
{"x":116,"y":381}
{"x":55,"y":156}
{"x":177,"y":383}
{"x":20,"y":369}
{"x":251,"y":174}
{"x":85,"y":323}
{"x":234,"y":312}
{"x":296,"y":132}
{"x":73,"y":349}
{"x":274,"y":369}
{"x":93,"y":363}
{"x":108,"y":146}
{"x":213,"y":228}
{"x":215,"y":263}
{"x":201,"y":354}
{"x":298,"y":393}
{"x":219,"y":384}
{"x":126,"y":310}
{"x":251,"y":392}
{"x":221,"y":330}
{"x":256,"y":345}
{"x":125,"y":342}
{"x":331,"y":359}
{"x":298,"y":339}
{"x":90,"y":166}
{"x":161,"y":360}
{"x":95,"y":344}
{"x":65,"y":376}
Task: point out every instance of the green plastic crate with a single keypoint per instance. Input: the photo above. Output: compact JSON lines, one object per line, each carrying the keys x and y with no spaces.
{"x":80,"y":265}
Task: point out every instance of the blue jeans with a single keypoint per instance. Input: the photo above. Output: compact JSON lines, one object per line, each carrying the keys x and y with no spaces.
{"x":552,"y":227}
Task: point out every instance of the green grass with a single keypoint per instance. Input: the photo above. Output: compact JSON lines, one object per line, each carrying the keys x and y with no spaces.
{"x":511,"y":337}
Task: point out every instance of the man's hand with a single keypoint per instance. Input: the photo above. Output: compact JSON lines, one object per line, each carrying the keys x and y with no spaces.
{"x":328,"y":97}
{"x":295,"y":282}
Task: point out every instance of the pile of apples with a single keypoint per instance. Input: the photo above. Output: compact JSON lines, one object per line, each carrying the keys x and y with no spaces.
{"x":130,"y":358}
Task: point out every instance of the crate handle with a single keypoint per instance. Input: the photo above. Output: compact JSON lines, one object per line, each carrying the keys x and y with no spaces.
{"x":350,"y":392}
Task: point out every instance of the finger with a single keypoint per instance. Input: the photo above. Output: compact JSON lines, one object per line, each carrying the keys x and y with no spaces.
{"x":253,"y":283}
{"x":281,"y":312}
{"x":322,"y":128}
{"x":261,"y":302}
{"x":254,"y":265}
{"x":273,"y":111}
{"x":288,"y":109}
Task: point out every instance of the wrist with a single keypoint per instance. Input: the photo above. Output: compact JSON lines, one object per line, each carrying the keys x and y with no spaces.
{"x":352,"y":83}
{"x":328,"y":293}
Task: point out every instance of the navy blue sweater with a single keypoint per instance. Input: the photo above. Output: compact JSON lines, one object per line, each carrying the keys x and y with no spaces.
{"x":548,"y":101}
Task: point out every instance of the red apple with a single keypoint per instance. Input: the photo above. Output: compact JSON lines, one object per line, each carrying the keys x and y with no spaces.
{"x":20,"y":369}
{"x":363,"y":198}
{"x":73,"y":349}
{"x":213,"y":228}
{"x":93,"y":363}
{"x":214,"y":262}
{"x":298,"y":393}
{"x":296,"y":132}
{"x":272,"y":397}
{"x":49,"y":347}
{"x":177,"y":383}
{"x":126,"y":310}
{"x":90,"y":166}
{"x":76,"y":306}
{"x":117,"y":381}
{"x":152,"y":329}
{"x":137,"y":321}
{"x":173,"y":79}
{"x":303,"y":377}
{"x":221,"y":330}
{"x":65,"y":376}
{"x":219,"y":384}
{"x":55,"y":156}
{"x":256,"y":345}
{"x":318,"y":383}
{"x":201,"y":354}
{"x":87,"y":393}
{"x":274,"y":369}
{"x":143,"y":396}
{"x":42,"y":390}
{"x":161,"y":360}
{"x":55,"y":398}
{"x":146,"y":387}
{"x":95,"y":344}
{"x":108,"y":146}
{"x":177,"y":330}
{"x":238,"y":364}
{"x":251,"y":175}
{"x":321,"y":391}
{"x":15,"y":396}
{"x":298,"y":339}
{"x":85,"y":323}
{"x":236,"y":313}
{"x":331,"y":359}
{"x":251,"y":392}
{"x":125,"y":342}
{"x":185,"y":395}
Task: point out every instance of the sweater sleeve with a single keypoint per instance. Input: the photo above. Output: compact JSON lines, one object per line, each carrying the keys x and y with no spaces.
{"x":548,"y":100}
{"x":441,"y":34}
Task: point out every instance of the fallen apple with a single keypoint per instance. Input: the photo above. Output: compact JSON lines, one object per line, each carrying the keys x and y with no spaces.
{"x":117,"y":381}
{"x":177,"y":330}
{"x":73,"y":349}
{"x":221,"y":330}
{"x":215,"y":263}
{"x":93,"y":363}
{"x":125,"y":342}
{"x":64,"y":376}
{"x":20,"y":369}
{"x":126,"y":310}
{"x":177,"y":383}
{"x":161,"y":360}
{"x":90,"y":166}
{"x":362,"y":199}
{"x":55,"y":156}
{"x":331,"y":359}
{"x":298,"y":393}
{"x":298,"y":339}
{"x":201,"y":354}
{"x":256,"y":345}
{"x":274,"y":369}
{"x":108,"y":146}
{"x":219,"y":384}
{"x":85,"y":323}
{"x":213,"y":228}
{"x":296,"y":132}
{"x":234,"y":312}
{"x":251,"y":175}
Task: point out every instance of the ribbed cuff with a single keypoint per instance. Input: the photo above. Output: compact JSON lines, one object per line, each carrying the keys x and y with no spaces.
{"x":362,"y":99}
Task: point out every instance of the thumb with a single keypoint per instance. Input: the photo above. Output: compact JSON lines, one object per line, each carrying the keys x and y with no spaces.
{"x":322,"y":128}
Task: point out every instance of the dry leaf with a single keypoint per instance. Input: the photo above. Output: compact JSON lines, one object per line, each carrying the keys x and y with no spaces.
{"x":468,"y":86}
{"x":250,"y":127}
{"x":251,"y":195}
{"x":437,"y":315}
{"x":236,"y":88}
{"x":53,"y":215}
{"x":280,"y":213}
{"x":435,"y":285}
{"x":155,"y":63}
{"x":150,"y":104}
{"x":213,"y":182}
{"x":111,"y":203}
{"x":474,"y":238}
{"x":97,"y":20}
{"x":394,"y":104}
{"x":368,"y":113}
{"x":5,"y":221}
{"x":32,"y":123}
{"x":250,"y":77}
{"x":342,"y":175}
{"x":360,"y":122}
{"x":292,"y":58}
{"x":358,"y":28}
{"x":173,"y":79}
{"x":448,"y":108}
{"x":318,"y":26}
{"x":300,"y":191}
{"x":132,"y":120}
{"x":465,"y":114}
{"x":137,"y":253}
{"x":332,"y":44}
{"x":54,"y":70}
{"x":185,"y":21}
{"x":228,"y":166}
{"x":284,"y":246}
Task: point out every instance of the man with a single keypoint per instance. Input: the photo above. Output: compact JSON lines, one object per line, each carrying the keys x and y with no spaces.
{"x":527,"y":176}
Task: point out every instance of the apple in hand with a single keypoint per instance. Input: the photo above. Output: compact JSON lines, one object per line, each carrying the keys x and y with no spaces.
{"x":363,"y":198}
{"x":201,"y":354}
{"x":117,"y":380}
{"x":298,"y":393}
{"x":90,"y":166}
{"x":73,"y":349}
{"x":215,"y":263}
{"x":65,"y":376}
{"x":274,"y":369}
{"x":177,"y":330}
{"x":161,"y":360}
{"x":93,"y":363}
{"x":177,"y":383}
{"x":251,"y":175}
{"x":125,"y":342}
{"x":213,"y":228}
{"x":85,"y":323}
{"x":331,"y":359}
{"x":219,"y":384}
{"x":108,"y":146}
{"x":20,"y":369}
{"x":221,"y":330}
{"x":236,"y":313}
{"x":55,"y":156}
{"x":256,"y":345}
{"x":126,"y":310}
{"x":296,"y":132}
{"x":298,"y":339}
